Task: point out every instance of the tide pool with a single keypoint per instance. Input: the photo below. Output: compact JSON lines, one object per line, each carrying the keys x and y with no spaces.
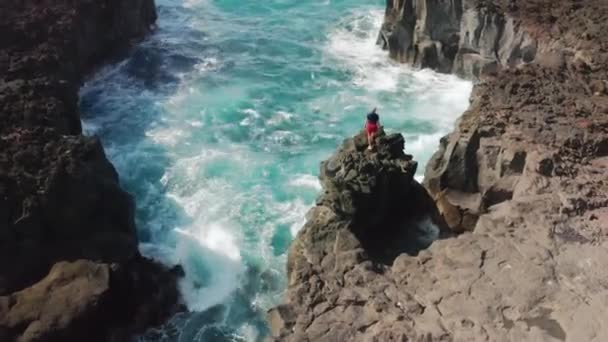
{"x":217,"y":124}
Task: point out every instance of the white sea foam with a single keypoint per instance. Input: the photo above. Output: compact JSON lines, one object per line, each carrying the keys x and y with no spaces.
{"x":159,"y":252}
{"x":207,"y":239}
{"x":199,"y":249}
{"x":422,"y":144}
{"x":294,"y":214}
{"x":252,"y":112}
{"x":167,"y":136}
{"x":356,"y":48}
{"x":306,"y":181}
{"x":194,"y":3}
{"x":440,"y":98}
{"x":251,"y":116}
{"x":249,"y":332}
{"x":208,"y":244}
{"x":280,"y":117}
{"x":207,"y":64}
{"x":283,"y":137}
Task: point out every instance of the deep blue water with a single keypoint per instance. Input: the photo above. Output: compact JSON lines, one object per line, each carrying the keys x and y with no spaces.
{"x":217,"y":124}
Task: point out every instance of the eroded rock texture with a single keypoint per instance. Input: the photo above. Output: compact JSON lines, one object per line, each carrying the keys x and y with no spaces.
{"x":467,"y":37}
{"x":522,"y":180}
{"x":60,"y":200}
{"x":372,"y":211}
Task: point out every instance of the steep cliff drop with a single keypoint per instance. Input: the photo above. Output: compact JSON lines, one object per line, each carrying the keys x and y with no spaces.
{"x":217,"y":125}
{"x":524,"y":175}
{"x":341,"y":284}
{"x":70,"y":269}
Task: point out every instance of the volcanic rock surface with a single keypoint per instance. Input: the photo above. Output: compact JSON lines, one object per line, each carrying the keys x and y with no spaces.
{"x":522,"y":180}
{"x":69,"y":264}
{"x":371,"y":212}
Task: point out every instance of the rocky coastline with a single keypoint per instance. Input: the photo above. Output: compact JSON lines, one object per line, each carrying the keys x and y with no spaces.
{"x":70,"y":269}
{"x":520,"y":192}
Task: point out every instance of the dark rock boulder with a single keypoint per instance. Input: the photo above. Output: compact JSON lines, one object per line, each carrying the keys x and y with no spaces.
{"x":90,"y":301}
{"x":71,"y":297}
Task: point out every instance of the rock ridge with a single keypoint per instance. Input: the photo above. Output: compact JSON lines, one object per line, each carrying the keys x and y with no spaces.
{"x":69,"y":264}
{"x":522,"y":182}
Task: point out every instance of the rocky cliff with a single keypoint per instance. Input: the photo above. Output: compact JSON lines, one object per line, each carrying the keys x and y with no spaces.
{"x":522,"y":181}
{"x":371,"y":212}
{"x":467,"y":37}
{"x":69,"y":264}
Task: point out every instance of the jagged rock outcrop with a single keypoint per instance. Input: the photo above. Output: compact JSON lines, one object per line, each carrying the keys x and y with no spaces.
{"x":422,"y":32}
{"x":466,"y":37}
{"x":60,"y":200}
{"x":523,"y":179}
{"x":371,"y":211}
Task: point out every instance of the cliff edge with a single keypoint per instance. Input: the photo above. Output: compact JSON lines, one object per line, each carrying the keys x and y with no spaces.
{"x":522,"y":181}
{"x":340,"y":279}
{"x":69,"y":264}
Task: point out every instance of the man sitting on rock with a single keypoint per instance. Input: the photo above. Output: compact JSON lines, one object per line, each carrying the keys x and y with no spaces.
{"x":371,"y":127}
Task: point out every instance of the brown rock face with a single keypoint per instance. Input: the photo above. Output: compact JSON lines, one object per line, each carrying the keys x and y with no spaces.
{"x":372,"y":210}
{"x":530,"y":148}
{"x":60,"y":199}
{"x":524,"y":175}
{"x":85,"y":301}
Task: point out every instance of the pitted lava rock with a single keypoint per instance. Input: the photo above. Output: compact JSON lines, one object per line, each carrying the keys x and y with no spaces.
{"x":69,"y":264}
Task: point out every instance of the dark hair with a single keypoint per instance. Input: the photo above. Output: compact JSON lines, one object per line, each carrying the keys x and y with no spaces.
{"x":373,"y":116}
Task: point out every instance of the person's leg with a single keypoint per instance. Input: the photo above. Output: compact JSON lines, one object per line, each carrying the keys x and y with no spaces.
{"x":369,"y":140}
{"x":372,"y":140}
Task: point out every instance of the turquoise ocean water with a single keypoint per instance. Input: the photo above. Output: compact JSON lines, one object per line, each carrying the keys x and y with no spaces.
{"x":217,"y":124}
